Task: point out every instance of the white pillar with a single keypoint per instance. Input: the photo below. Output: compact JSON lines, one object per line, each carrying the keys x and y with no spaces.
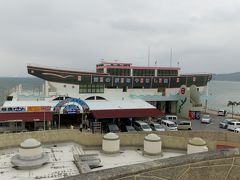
{"x":152,"y":145}
{"x":111,"y":143}
{"x":196,"y":145}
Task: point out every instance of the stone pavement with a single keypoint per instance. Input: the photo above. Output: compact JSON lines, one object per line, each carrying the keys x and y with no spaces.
{"x":217,"y":165}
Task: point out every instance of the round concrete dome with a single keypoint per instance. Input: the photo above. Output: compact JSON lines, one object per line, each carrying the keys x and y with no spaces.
{"x":152,"y":138}
{"x":111,"y":136}
{"x":196,"y":141}
{"x":152,"y":145}
{"x":30,"y":143}
{"x":31,"y":155}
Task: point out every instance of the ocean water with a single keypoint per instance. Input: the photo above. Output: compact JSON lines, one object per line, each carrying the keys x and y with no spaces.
{"x":220,"y":92}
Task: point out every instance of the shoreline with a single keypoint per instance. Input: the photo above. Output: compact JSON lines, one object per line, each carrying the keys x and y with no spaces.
{"x":229,"y":115}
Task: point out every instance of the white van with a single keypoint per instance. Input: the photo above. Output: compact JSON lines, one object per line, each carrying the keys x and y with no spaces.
{"x":232,"y":125}
{"x":184,"y":125}
{"x":141,"y":126}
{"x":172,"y":118}
{"x":169,"y":125}
{"x":222,"y":112}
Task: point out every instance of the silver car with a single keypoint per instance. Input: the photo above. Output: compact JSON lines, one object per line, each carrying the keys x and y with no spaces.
{"x":156,"y":127}
{"x":224,"y":123}
{"x":206,"y":119}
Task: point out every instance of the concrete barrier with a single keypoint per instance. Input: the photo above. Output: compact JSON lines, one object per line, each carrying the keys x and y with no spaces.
{"x":180,"y":140}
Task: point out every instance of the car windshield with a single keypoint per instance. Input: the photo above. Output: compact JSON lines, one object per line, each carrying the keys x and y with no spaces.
{"x":225,"y":121}
{"x":158,"y":126}
{"x":206,"y":116}
{"x":145,"y":126}
{"x":130,"y":128}
{"x":172,"y":125}
{"x":113,"y":127}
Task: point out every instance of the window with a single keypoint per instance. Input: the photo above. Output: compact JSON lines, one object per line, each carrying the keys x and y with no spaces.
{"x":100,"y":71}
{"x":167,"y":72}
{"x":10,"y":109}
{"x":90,"y":98}
{"x":9,"y":98}
{"x":91,"y":88}
{"x":119,"y":72}
{"x":143,"y":72}
{"x":100,"y":98}
{"x":58,"y":98}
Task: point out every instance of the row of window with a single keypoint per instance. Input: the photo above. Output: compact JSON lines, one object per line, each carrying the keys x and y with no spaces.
{"x":143,"y":72}
{"x":119,"y":72}
{"x":100,"y":71}
{"x":167,"y":72}
{"x":91,"y":88}
{"x":139,"y":72}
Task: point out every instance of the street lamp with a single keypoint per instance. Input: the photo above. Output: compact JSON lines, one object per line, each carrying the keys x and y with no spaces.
{"x":59,"y":119}
{"x":44,"y":119}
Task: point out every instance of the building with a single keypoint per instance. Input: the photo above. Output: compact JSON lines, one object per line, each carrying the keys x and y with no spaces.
{"x":114,"y":92}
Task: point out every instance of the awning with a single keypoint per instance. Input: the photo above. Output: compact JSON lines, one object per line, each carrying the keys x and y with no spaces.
{"x":25,"y":116}
{"x":126,"y":113}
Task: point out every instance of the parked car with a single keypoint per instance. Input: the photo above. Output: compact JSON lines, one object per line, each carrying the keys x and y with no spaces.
{"x":224,"y":123}
{"x":237,"y":130}
{"x":169,"y":125}
{"x":130,"y":129}
{"x":159,"y":120}
{"x":184,"y":125}
{"x":156,"y":127}
{"x":206,"y":119}
{"x":232,"y":125}
{"x":222,"y":112}
{"x":141,"y":126}
{"x":173,"y":118}
{"x":111,"y":128}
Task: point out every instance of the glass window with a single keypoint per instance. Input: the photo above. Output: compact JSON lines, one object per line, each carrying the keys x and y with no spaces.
{"x":91,"y":88}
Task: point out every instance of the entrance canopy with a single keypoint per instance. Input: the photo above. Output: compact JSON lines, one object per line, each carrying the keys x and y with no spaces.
{"x":122,"y":109}
{"x":71,"y":106}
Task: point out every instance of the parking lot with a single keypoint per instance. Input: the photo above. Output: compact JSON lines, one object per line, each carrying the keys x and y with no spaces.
{"x":213,"y":126}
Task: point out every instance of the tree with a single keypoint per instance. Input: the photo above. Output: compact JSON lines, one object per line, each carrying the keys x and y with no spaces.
{"x":233,"y":103}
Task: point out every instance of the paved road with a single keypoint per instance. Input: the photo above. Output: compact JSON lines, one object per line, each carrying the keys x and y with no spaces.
{"x":213,"y":126}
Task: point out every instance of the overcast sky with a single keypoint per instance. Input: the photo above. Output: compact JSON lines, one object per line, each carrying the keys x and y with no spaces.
{"x":204,"y":35}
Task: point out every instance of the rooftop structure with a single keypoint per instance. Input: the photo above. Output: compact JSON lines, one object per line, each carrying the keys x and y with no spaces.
{"x":31,"y":155}
{"x":130,"y":161}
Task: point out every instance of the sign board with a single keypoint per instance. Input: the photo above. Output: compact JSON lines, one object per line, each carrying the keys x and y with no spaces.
{"x":71,"y":109}
{"x":38,"y":108}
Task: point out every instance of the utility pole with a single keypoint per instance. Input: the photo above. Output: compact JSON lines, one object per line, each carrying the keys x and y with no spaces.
{"x":148,"y":56}
{"x":171,"y":57}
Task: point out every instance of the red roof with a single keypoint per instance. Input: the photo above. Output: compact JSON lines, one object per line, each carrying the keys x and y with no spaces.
{"x":26,"y":116}
{"x":125,"y":113}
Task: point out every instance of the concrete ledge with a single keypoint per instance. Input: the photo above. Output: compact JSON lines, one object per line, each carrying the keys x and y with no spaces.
{"x":180,"y":140}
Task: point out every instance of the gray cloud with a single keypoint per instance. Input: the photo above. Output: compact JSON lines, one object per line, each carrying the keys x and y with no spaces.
{"x":135,"y":25}
{"x":78,"y":33}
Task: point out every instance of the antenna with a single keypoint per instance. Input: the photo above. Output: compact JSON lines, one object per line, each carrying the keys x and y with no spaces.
{"x":171,"y":57}
{"x":148,"y":56}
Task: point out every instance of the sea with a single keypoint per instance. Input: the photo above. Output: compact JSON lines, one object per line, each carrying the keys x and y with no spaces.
{"x":220,"y":92}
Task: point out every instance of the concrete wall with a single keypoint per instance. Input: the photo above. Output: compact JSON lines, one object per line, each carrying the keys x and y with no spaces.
{"x":175,"y":140}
